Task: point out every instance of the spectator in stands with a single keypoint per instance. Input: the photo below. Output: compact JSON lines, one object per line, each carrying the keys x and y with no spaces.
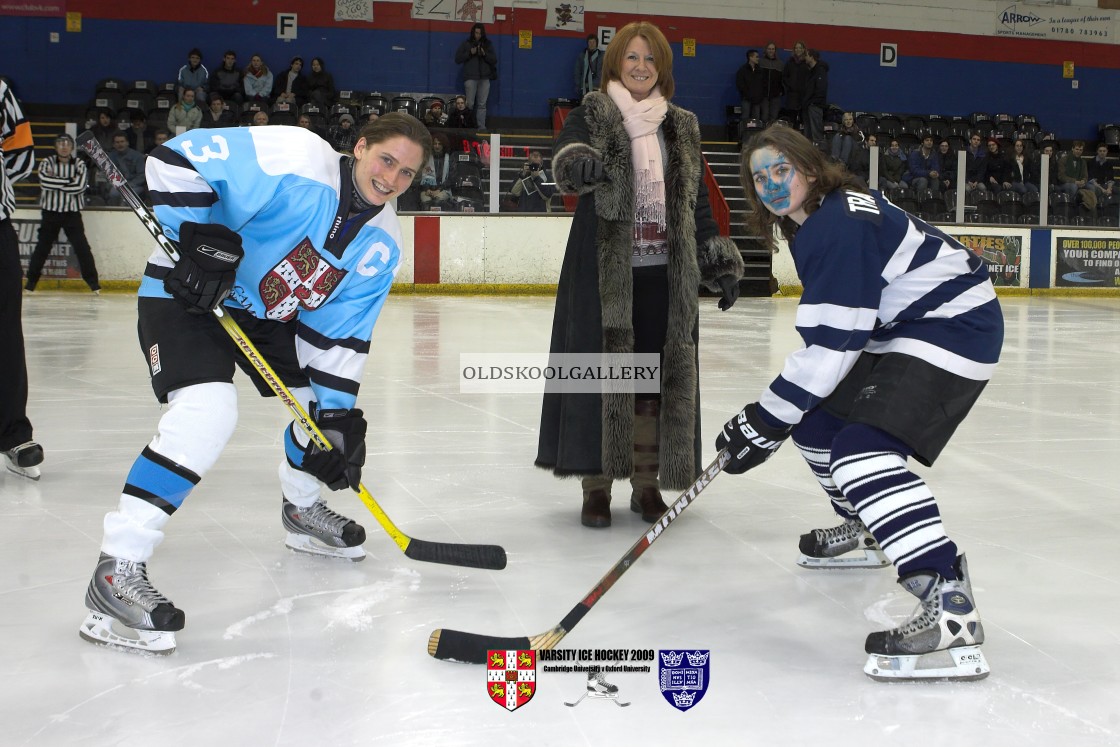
{"x":1073,"y":176}
{"x":815,"y":96}
{"x":291,"y":86}
{"x":435,"y":116}
{"x":975,"y":164}
{"x":343,"y":136}
{"x":260,"y":118}
{"x":161,"y":136}
{"x":1102,"y":175}
{"x":846,"y":140}
{"x":997,"y":170}
{"x":131,"y":165}
{"x":104,"y":128}
{"x":194,"y":76}
{"x":924,"y":167}
{"x":217,"y":115}
{"x":589,"y":68}
{"x":304,"y":121}
{"x":186,"y":114}
{"x":320,"y":84}
{"x":62,"y":182}
{"x":859,"y":162}
{"x":772,"y":90}
{"x":947,"y":159}
{"x":480,"y":66}
{"x":892,"y":166}
{"x":1051,"y":158}
{"x":627,"y":284}
{"x":751,"y":82}
{"x":795,"y":76}
{"x":437,"y":176}
{"x":372,"y":116}
{"x":461,"y":116}
{"x":257,"y":80}
{"x":140,"y":136}
{"x":534,"y":185}
{"x":226,"y":79}
{"x":21,"y":455}
{"x":1024,"y":177}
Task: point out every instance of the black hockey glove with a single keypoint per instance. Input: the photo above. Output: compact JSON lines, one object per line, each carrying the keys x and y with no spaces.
{"x":749,"y":440}
{"x":340,"y":467}
{"x":208,"y":259}
{"x":730,"y":287}
{"x":586,"y":172}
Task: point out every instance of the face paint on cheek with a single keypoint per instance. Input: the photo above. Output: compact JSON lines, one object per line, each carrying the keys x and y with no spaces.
{"x":773,"y":180}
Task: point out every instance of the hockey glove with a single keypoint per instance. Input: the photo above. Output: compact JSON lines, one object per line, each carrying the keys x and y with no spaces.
{"x":340,"y":467}
{"x":730,"y":287}
{"x":586,"y":172}
{"x":749,"y":440}
{"x":204,"y":274}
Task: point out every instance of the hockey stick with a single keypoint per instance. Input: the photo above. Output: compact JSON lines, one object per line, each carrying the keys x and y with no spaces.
{"x":491,"y":557}
{"x":471,"y":648}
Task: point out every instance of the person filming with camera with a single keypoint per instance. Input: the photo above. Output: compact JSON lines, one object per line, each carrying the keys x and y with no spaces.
{"x":534,"y":185}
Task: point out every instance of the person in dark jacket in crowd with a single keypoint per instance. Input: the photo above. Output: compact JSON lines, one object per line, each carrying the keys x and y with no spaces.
{"x":320,"y":84}
{"x":772,"y":90}
{"x":815,"y":97}
{"x":795,"y":76}
{"x":226,"y":79}
{"x":751,"y":82}
{"x":480,"y":66}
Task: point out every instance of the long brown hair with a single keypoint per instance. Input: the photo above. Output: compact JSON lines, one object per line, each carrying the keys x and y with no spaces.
{"x":658,"y":44}
{"x":799,"y":150}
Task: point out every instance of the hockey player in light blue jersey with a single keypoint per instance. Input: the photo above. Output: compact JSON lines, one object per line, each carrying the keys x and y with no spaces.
{"x":902,"y":331}
{"x":299,"y":245}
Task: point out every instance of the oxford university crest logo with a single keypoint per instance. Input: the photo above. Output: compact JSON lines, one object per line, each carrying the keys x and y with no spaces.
{"x":511,"y":677}
{"x":683,"y":676}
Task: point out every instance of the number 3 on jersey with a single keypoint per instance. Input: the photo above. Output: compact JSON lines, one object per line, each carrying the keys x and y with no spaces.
{"x":218,"y":141}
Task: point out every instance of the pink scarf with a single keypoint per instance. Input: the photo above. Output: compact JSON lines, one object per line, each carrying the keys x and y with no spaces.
{"x":642,"y":119}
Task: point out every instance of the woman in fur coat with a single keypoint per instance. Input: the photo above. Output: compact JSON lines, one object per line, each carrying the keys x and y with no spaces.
{"x":642,"y":241}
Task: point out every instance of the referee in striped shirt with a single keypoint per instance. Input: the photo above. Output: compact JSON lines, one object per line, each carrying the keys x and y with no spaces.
{"x":62,"y":179}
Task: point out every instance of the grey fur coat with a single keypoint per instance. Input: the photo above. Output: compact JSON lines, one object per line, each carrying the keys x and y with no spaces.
{"x":591,"y":434}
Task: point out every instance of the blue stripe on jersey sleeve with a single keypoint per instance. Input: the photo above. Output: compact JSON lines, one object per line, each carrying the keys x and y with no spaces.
{"x":835,"y":339}
{"x":800,"y":398}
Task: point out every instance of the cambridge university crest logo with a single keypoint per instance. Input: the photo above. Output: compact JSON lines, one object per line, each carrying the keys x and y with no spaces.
{"x":511,"y":677}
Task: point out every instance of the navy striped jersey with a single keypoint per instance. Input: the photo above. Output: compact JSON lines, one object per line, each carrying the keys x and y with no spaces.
{"x":877,"y":279}
{"x":16,"y":148}
{"x":62,"y":184}
{"x":307,"y":261}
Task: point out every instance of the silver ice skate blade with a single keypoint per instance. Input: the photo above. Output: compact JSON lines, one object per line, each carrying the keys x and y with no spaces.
{"x":962,"y":663}
{"x":869,"y":559}
{"x":31,"y":473}
{"x":309,"y":545}
{"x":103,"y":630}
{"x":598,"y":696}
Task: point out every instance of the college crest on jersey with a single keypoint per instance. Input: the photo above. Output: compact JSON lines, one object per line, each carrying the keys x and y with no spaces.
{"x":303,"y":279}
{"x":683,"y":676}
{"x":511,"y":677}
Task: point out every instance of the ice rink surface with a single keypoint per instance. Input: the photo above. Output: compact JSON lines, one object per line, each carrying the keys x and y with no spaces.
{"x":286,"y":649}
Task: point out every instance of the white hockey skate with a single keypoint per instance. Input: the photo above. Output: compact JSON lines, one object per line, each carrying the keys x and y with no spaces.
{"x":126,"y":611}
{"x":24,"y":460}
{"x":317,"y":530}
{"x":942,"y":641}
{"x":849,"y":545}
{"x":599,"y":689}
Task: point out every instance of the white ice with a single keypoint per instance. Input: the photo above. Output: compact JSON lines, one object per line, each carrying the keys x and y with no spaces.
{"x":285,"y":649}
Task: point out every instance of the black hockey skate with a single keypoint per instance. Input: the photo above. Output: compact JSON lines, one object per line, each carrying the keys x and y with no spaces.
{"x":849,"y":545}
{"x":24,"y":460}
{"x":317,"y":530}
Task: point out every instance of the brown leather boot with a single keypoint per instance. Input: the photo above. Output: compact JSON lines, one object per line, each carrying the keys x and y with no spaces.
{"x":596,"y":511}
{"x":646,"y":498}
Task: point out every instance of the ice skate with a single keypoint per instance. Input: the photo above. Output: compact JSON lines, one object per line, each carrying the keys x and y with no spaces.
{"x":599,"y":688}
{"x":317,"y":530}
{"x":942,"y":641}
{"x":126,"y":611}
{"x":24,"y":460}
{"x":849,"y":545}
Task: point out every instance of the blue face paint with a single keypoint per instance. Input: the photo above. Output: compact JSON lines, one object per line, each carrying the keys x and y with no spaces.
{"x":773,"y":178}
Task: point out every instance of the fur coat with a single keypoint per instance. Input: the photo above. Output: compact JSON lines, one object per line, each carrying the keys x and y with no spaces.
{"x":591,"y":434}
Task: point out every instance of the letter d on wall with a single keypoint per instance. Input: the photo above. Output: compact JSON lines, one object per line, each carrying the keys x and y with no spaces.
{"x":888,"y":55}
{"x":287,"y":26}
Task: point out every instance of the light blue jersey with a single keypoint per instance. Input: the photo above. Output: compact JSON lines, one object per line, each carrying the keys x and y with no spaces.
{"x":287,"y":194}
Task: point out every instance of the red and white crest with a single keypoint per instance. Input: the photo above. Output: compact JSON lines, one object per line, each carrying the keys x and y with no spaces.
{"x":511,"y":677}
{"x":303,"y":279}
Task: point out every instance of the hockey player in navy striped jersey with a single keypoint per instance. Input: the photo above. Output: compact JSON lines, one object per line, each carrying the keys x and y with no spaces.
{"x":901,"y":331}
{"x":300,"y":246}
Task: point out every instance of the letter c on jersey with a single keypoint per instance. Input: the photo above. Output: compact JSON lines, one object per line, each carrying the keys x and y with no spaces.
{"x":376,"y":260}
{"x":207,"y":154}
